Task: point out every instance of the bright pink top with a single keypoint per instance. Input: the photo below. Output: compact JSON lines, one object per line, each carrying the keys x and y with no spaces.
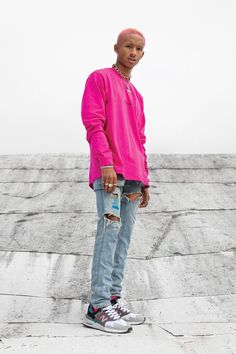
{"x":112,"y":113}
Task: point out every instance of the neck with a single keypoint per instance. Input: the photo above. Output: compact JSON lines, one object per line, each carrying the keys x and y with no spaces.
{"x":126,"y":71}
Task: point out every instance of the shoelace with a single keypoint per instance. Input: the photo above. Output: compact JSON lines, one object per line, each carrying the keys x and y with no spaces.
{"x":121,"y":306}
{"x":110,"y":310}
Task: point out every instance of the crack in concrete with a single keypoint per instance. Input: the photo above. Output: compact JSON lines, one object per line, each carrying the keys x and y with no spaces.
{"x":147,"y":324}
{"x":65,"y":336}
{"x":30,"y":197}
{"x":81,"y":212}
{"x":46,"y":169}
{"x":151,"y":181}
{"x":13,"y":236}
{"x":45,"y":182}
{"x":166,"y":330}
{"x":195,"y":335}
{"x":83,"y":299}
{"x":183,"y":296}
{"x":161,"y":239}
{"x":192,"y":335}
{"x":86,"y":168}
{"x":48,"y":252}
{"x":175,"y":254}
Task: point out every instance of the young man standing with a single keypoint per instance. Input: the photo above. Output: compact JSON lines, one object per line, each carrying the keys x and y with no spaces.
{"x":113,"y":114}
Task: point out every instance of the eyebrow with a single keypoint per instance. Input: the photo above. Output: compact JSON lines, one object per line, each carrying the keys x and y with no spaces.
{"x":138,"y":45}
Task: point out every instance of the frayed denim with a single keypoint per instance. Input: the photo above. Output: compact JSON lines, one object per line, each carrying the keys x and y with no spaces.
{"x":112,"y":238}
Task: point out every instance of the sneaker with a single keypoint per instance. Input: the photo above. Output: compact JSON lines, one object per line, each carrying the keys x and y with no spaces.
{"x":105,"y":319}
{"x":125,"y":314}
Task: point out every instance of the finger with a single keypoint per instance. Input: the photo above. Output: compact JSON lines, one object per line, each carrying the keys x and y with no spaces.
{"x":114,"y":184}
{"x":143,"y":204}
{"x":109,"y":186}
{"x":106,"y":185}
{"x":104,"y":182}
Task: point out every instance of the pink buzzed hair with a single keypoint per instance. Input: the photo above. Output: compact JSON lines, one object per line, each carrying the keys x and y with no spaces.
{"x":124,"y":33}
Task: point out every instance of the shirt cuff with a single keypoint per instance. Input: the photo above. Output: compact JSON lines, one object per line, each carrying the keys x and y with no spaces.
{"x":107,"y":166}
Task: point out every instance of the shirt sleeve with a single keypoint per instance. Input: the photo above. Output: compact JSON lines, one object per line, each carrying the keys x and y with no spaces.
{"x":142,"y":135}
{"x":94,"y":117}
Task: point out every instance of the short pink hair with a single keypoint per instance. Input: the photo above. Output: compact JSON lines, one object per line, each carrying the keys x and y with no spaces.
{"x":124,"y":33}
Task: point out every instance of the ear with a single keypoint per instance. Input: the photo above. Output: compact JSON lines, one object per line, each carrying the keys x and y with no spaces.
{"x":142,"y":55}
{"x":115,"y":48}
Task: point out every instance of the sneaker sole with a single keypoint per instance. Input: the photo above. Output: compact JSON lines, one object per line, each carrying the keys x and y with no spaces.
{"x":94,"y":325}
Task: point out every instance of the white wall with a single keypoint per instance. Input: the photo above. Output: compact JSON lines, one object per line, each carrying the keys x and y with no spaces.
{"x":187,"y":75}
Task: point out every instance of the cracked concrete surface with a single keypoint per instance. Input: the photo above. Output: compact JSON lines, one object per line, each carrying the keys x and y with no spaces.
{"x":181,"y":267}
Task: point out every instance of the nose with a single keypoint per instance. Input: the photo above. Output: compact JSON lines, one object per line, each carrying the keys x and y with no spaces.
{"x":133,"y":51}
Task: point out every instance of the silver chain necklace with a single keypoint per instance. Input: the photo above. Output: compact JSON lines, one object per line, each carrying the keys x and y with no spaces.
{"x":127,"y":78}
{"x":120,"y":72}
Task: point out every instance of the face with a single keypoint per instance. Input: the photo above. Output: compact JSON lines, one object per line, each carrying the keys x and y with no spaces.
{"x":129,"y":50}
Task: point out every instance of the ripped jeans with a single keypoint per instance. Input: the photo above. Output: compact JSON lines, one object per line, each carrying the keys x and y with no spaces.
{"x":112,"y":238}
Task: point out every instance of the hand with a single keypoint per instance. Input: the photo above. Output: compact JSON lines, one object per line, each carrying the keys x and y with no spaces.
{"x":109,"y":176}
{"x":145,"y":198}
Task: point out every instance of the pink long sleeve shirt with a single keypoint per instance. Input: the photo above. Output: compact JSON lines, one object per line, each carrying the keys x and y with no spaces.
{"x":113,"y":114}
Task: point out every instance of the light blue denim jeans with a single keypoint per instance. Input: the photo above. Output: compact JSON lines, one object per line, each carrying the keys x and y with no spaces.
{"x":112,"y":238}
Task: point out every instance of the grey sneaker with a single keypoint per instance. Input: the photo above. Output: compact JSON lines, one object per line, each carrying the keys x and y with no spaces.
{"x":125,"y":314}
{"x":106,"y":319}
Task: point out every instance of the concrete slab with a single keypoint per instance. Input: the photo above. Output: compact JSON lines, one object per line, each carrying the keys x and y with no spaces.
{"x":75,"y":339}
{"x":72,"y":233}
{"x":78,"y":197}
{"x":178,"y":233}
{"x":180,"y":270}
{"x":197,"y":232}
{"x":182,"y":329}
{"x":68,"y":160}
{"x":67,"y":276}
{"x":161,"y":330}
{"x":166,"y":311}
{"x":42,"y":161}
{"x":21,"y":309}
{"x":77,"y":175}
{"x":88,"y":344}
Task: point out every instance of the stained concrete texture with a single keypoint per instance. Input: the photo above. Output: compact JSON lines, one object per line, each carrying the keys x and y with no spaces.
{"x":180,"y":271}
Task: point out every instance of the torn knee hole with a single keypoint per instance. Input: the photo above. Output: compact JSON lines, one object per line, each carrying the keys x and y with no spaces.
{"x":112,"y":217}
{"x":115,"y":195}
{"x":133,"y":196}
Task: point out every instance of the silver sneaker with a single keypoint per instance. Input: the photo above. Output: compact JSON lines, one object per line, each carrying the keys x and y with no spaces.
{"x":107,"y":319}
{"x":125,"y":314}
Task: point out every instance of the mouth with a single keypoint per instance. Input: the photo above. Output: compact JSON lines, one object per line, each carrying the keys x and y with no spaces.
{"x":132,"y":60}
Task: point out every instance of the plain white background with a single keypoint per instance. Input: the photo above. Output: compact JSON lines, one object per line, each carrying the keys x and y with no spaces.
{"x":187,"y":75}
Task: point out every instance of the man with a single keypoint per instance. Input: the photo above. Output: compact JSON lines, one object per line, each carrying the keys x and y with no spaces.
{"x":113,"y":115}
